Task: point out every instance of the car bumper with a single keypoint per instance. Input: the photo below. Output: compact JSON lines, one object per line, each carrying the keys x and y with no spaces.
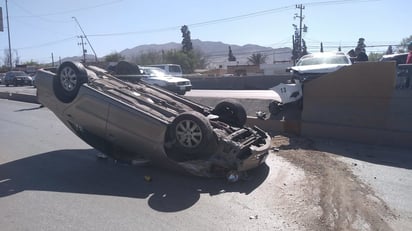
{"x":178,"y":89}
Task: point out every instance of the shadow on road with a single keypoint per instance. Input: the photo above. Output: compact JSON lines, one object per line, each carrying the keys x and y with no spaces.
{"x":80,"y":171}
{"x":30,"y":109}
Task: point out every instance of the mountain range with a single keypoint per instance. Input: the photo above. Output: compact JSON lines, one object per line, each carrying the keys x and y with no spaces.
{"x":216,"y":52}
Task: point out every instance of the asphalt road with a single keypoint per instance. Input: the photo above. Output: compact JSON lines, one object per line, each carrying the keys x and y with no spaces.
{"x":51,"y":180}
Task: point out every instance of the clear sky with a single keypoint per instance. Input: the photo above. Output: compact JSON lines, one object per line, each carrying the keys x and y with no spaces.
{"x":39,"y":28}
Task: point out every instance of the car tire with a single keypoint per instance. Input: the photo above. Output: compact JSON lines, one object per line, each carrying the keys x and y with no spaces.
{"x":275,"y":107}
{"x":70,"y":76}
{"x":192,"y":134}
{"x":231,"y":112}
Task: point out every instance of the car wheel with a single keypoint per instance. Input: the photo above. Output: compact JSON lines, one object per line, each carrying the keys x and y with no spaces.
{"x":231,"y":112}
{"x":192,"y":133}
{"x":181,"y":92}
{"x":70,"y":76}
{"x":275,"y":107}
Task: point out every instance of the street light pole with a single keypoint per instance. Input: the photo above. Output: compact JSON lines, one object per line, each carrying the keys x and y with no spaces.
{"x":8,"y":32}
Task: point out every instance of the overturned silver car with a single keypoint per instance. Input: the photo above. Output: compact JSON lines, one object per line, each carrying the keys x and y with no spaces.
{"x":140,"y":121}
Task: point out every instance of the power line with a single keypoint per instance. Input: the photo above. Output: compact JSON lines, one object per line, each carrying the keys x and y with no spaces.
{"x":229,"y":19}
{"x":48,"y":43}
{"x":70,"y":11}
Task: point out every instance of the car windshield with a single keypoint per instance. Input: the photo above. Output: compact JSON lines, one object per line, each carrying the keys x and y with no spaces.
{"x":17,"y":73}
{"x":317,"y":60}
{"x":154,"y":72}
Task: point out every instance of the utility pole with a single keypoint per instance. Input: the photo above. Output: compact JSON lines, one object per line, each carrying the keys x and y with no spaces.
{"x":8,"y":31}
{"x":297,"y":38}
{"x":84,"y":50}
{"x":301,"y":17}
{"x":84,"y":36}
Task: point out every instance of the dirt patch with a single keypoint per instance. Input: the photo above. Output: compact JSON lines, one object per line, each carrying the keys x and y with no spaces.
{"x":337,"y":199}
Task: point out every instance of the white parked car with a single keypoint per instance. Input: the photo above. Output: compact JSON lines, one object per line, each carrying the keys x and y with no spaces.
{"x":158,"y":77}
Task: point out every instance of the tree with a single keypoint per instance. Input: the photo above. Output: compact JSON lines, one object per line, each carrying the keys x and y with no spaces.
{"x":7,"y":58}
{"x":186,"y":42}
{"x":189,"y":61}
{"x":231,"y":56}
{"x":257,"y":58}
{"x":31,"y":63}
{"x":114,"y":57}
{"x":405,"y":42}
{"x":374,"y":56}
{"x":148,"y":58}
{"x":304,"y":48}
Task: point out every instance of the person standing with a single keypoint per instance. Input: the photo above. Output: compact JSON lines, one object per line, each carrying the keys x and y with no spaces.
{"x":409,"y":57}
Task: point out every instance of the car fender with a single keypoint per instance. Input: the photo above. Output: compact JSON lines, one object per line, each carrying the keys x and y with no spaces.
{"x":288,"y":93}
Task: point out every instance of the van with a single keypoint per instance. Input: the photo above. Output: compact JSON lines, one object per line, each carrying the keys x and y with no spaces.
{"x":170,"y":69}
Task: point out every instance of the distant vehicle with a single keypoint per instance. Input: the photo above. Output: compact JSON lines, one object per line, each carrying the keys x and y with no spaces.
{"x":17,"y":78}
{"x":52,"y":69}
{"x":2,"y":77}
{"x":316,"y":64}
{"x":170,"y":69}
{"x":403,"y":70}
{"x":159,"y":77}
{"x":398,"y":58}
{"x":141,"y":122}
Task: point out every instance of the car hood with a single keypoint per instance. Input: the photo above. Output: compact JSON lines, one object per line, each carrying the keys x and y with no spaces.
{"x":319,"y":68}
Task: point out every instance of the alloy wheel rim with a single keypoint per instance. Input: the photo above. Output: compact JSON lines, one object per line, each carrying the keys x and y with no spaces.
{"x":188,"y":134}
{"x":68,"y":79}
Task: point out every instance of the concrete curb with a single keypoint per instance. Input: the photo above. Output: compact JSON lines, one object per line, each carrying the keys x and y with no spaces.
{"x":19,"y":97}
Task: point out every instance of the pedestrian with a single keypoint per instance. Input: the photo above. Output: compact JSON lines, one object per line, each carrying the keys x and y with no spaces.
{"x":409,"y":57}
{"x":361,"y":55}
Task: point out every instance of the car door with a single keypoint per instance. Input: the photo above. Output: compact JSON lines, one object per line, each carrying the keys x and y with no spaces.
{"x":135,"y":130}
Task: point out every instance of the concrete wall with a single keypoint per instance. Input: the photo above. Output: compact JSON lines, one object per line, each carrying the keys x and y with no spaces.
{"x":359,"y":103}
{"x":238,"y":83}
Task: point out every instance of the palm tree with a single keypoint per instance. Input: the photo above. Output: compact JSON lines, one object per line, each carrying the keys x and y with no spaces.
{"x":257,"y":58}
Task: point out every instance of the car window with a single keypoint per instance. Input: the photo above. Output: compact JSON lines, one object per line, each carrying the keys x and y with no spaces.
{"x":20,"y":73}
{"x":154,"y":71}
{"x":174,"y":69}
{"x":323,"y":60}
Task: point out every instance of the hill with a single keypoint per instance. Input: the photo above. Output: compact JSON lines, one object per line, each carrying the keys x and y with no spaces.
{"x":216,"y":52}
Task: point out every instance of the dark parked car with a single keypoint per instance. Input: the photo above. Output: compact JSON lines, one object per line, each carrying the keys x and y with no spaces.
{"x":403,"y":70}
{"x":2,"y":78}
{"x":139,"y":121}
{"x":398,"y":58}
{"x":17,"y":78}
